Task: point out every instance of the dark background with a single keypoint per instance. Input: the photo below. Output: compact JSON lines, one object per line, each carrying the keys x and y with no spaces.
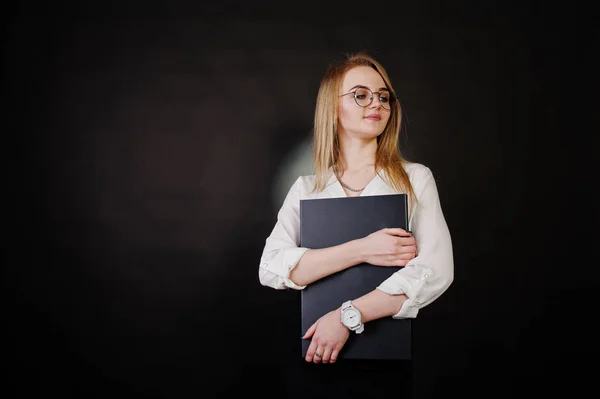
{"x":143,"y":180}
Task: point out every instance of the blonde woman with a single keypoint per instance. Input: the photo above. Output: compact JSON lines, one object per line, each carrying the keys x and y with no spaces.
{"x":356,"y":153}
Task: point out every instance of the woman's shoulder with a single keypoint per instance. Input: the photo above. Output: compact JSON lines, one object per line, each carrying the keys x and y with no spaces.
{"x":305,"y":185}
{"x":304,"y":180}
{"x":417,"y":171}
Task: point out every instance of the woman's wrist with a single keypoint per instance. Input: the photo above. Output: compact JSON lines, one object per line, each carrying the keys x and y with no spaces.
{"x":357,"y":251}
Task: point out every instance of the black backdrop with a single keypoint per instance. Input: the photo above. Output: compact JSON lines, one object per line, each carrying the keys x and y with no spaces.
{"x":150,"y":142}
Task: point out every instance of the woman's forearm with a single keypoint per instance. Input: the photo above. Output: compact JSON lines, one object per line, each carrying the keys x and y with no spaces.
{"x":318,"y":263}
{"x":377,"y":304}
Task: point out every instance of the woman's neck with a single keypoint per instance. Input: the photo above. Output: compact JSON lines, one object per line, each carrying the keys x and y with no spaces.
{"x":357,"y":154}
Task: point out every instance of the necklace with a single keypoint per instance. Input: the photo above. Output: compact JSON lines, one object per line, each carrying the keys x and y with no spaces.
{"x":356,"y":190}
{"x":350,"y":188}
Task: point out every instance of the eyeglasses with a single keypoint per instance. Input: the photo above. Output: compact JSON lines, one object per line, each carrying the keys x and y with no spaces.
{"x":364,"y":97}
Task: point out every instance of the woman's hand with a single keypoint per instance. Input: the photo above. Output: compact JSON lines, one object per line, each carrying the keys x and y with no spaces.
{"x":389,"y":247}
{"x":328,"y":337}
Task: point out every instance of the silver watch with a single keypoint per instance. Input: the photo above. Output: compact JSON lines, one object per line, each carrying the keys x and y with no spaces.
{"x":351,"y":317}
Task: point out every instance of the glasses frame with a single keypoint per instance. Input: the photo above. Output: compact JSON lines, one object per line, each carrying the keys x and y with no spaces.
{"x":372,"y":97}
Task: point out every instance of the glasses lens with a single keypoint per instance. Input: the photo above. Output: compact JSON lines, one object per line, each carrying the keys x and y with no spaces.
{"x":384,"y":99}
{"x":363,"y":97}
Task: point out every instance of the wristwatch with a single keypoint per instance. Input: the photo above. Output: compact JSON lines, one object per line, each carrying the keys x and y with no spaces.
{"x":351,"y":317}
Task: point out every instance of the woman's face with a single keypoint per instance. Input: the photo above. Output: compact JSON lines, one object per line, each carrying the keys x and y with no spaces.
{"x":366,"y":122}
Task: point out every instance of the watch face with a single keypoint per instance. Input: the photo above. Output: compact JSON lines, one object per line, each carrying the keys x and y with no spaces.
{"x":351,"y":318}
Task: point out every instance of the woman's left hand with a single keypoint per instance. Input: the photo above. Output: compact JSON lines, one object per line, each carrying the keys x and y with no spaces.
{"x":328,"y":337}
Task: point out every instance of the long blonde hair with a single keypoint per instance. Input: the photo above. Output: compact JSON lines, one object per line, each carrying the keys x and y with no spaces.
{"x":326,"y":149}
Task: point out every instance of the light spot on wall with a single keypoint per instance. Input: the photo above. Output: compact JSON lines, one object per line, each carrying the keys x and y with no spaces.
{"x":299,"y":162}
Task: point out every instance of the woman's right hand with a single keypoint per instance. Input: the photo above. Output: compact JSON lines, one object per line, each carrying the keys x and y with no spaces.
{"x":388,"y":247}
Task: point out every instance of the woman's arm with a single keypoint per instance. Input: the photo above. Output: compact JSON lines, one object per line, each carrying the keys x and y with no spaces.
{"x":282,"y":252}
{"x":285,"y":265}
{"x":386,"y":247}
{"x":318,"y":263}
{"x":429,"y":275}
{"x":377,"y":304}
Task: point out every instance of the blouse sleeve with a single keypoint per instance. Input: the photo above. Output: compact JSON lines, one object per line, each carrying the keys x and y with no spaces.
{"x":429,"y":274}
{"x":282,"y":251}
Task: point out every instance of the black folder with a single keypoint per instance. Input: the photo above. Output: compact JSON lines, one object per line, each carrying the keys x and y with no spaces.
{"x":332,"y":221}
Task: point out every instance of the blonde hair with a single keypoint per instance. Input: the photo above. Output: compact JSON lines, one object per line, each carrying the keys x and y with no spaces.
{"x":326,"y":149}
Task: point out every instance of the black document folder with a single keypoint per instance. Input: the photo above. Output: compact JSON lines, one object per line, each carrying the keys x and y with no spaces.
{"x":332,"y":221}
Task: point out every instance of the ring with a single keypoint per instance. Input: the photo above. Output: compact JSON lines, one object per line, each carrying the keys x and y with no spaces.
{"x":317,"y":354}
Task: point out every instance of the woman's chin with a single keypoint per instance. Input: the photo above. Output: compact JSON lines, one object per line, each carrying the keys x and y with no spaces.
{"x":370,"y":135}
{"x":362,"y":135}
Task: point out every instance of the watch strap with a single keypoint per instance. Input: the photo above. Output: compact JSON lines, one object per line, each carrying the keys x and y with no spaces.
{"x":346,"y":305}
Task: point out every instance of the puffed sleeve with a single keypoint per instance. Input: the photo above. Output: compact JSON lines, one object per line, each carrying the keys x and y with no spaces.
{"x":428,"y":275}
{"x":282,"y":251}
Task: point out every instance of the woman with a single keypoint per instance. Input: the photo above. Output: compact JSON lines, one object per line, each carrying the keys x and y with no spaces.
{"x":356,"y":132}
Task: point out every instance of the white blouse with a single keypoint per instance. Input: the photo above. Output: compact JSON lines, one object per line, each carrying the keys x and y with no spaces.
{"x":422,"y":280}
